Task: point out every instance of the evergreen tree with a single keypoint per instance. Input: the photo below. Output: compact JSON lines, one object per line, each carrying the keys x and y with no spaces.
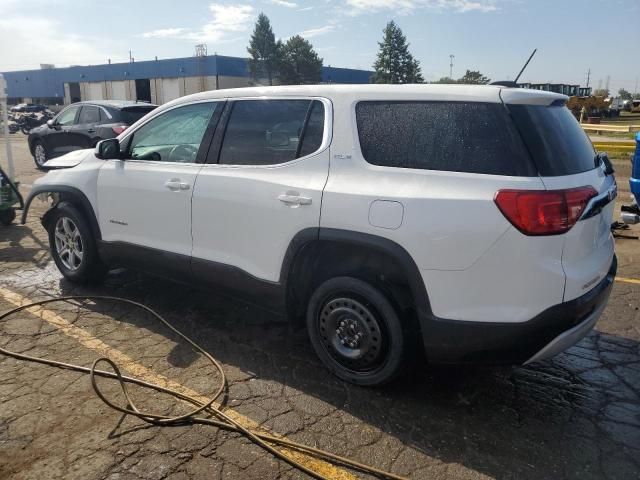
{"x":300,"y":64}
{"x":625,"y":95}
{"x":474,"y":77}
{"x":394,"y":63}
{"x":264,"y":50}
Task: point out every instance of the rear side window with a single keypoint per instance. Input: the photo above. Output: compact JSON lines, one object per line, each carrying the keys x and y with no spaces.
{"x":269,"y":132}
{"x":89,"y":114}
{"x":557,"y":143}
{"x":450,"y":136}
{"x":132,"y":115}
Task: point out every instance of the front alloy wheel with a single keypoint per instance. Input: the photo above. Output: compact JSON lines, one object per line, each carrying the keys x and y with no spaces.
{"x":39,"y":154}
{"x":68,"y":243}
{"x":73,"y":246}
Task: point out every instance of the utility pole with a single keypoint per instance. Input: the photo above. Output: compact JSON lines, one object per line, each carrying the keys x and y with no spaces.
{"x":607,"y":84}
{"x":451,"y":57}
{"x":588,"y":77}
{"x":130,"y":57}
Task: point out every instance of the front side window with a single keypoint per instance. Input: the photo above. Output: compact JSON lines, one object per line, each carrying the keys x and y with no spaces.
{"x":448,"y":136}
{"x":269,"y":132}
{"x":67,"y":117}
{"x":173,"y":136}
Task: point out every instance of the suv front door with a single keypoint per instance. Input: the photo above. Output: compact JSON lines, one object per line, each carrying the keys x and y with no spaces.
{"x":144,"y":201}
{"x":262,"y":185}
{"x":57,"y":138}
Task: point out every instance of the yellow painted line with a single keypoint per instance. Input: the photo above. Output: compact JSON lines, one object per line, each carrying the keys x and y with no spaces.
{"x":140,"y":371}
{"x":628,"y":280}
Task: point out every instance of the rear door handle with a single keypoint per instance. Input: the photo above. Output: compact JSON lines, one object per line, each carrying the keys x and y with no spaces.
{"x":175,"y":185}
{"x":91,"y":130}
{"x":293,"y":198}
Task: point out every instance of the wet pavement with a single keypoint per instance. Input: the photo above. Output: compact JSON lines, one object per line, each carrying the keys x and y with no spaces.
{"x":576,"y":416}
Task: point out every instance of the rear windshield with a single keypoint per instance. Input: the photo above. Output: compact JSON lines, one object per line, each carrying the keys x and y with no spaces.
{"x":557,"y":143}
{"x":451,"y":136}
{"x":132,"y":115}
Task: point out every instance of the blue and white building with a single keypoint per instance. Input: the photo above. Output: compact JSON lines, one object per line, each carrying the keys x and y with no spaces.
{"x":155,"y":81}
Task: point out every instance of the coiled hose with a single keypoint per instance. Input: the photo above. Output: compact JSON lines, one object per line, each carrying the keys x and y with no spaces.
{"x":263,"y":440}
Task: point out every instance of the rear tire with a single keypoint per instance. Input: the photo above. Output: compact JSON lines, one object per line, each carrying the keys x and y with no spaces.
{"x":356,"y":332}
{"x":73,"y":246}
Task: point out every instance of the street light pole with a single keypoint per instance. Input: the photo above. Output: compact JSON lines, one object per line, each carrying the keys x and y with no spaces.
{"x":451,"y":57}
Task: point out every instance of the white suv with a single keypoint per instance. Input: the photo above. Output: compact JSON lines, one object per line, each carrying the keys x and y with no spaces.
{"x":465,"y":223}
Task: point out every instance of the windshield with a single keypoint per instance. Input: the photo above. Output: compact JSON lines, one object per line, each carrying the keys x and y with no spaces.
{"x":555,"y":140}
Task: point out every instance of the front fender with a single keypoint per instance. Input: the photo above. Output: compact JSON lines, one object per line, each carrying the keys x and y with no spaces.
{"x":69,"y":194}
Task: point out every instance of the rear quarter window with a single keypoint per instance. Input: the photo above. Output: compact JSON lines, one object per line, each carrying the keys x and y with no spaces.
{"x":448,"y":136}
{"x":557,"y":143}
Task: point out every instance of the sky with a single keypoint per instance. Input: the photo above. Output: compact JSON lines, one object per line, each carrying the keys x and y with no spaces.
{"x":493,"y":36}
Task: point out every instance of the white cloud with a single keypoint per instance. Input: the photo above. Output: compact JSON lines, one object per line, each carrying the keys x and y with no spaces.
{"x":314,"y":32}
{"x":283,"y":3}
{"x":50,"y":44}
{"x":163,"y":33}
{"x":227,"y":19}
{"x":403,"y":7}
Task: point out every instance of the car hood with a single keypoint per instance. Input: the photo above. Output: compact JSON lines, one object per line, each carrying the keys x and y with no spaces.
{"x":69,"y":160}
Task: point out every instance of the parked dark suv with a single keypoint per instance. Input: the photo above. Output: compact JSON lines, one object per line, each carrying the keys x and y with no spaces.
{"x":82,"y":125}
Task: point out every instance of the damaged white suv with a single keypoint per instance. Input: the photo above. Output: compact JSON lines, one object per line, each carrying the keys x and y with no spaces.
{"x":462,"y":223}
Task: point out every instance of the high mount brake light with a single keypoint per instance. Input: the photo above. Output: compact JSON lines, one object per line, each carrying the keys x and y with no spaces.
{"x":544,"y":212}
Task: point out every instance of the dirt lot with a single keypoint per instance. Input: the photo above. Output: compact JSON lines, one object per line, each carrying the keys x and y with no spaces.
{"x":576,"y":416}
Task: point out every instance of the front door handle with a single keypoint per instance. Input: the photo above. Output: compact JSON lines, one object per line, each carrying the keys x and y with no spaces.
{"x":176,"y":185}
{"x":294,"y":199}
{"x":91,"y":130}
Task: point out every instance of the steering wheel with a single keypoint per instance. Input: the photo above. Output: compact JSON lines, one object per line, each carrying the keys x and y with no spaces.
{"x":184,"y":153}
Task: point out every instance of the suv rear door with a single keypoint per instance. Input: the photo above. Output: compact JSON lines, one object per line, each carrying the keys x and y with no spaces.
{"x":261,"y":186}
{"x":565,"y":158}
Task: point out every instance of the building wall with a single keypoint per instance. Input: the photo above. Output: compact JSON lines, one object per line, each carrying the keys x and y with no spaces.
{"x":231,"y":72}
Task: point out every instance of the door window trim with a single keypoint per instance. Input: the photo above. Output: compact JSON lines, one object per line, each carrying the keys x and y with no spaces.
{"x":213,"y":159}
{"x":205,"y":144}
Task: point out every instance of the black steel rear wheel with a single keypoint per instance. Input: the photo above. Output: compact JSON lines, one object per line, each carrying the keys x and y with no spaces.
{"x":356,"y":331}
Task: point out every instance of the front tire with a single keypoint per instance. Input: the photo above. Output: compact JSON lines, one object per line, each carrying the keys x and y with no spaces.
{"x":40,"y":154}
{"x":356,"y":332}
{"x":73,"y":247}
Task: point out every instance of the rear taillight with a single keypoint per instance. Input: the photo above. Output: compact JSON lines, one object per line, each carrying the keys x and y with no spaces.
{"x":119,"y":129}
{"x":544,"y":212}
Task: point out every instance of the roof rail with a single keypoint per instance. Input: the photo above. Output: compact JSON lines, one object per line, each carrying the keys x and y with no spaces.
{"x":505,"y":83}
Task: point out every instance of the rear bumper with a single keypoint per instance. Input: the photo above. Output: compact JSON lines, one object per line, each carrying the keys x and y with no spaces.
{"x":547,"y":334}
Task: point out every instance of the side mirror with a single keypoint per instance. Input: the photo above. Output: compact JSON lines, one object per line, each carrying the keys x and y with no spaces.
{"x":108,"y":149}
{"x":51,"y":123}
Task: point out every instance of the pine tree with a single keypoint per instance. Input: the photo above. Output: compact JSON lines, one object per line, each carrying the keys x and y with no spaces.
{"x":300,"y":63}
{"x":264,"y":50}
{"x":474,"y":77}
{"x":395,"y":64}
